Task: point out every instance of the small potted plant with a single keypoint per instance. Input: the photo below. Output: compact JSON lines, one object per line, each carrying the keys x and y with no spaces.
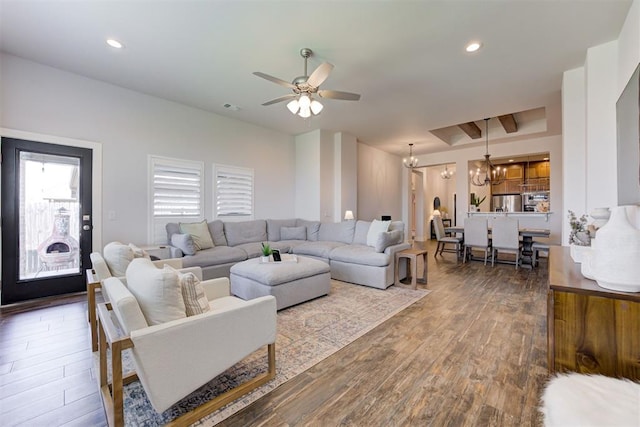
{"x":266,"y":251}
{"x":475,"y":202}
{"x":579,"y":238}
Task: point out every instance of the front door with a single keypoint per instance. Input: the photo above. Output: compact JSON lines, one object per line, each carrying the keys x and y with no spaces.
{"x":46,"y":219}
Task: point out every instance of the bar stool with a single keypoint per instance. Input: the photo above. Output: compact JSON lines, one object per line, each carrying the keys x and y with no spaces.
{"x":411,"y":257}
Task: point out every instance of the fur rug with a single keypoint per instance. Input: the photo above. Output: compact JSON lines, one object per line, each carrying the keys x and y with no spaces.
{"x":590,"y":400}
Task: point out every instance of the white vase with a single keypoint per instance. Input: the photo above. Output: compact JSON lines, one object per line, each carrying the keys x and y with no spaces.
{"x":633,"y":214}
{"x":600,"y":217}
{"x":577,"y":252}
{"x":264,"y":259}
{"x":616,"y":257}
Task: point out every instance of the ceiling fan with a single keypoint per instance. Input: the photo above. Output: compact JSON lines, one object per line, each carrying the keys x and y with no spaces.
{"x":301,"y":101}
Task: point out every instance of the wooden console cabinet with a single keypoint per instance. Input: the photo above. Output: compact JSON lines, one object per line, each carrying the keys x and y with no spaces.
{"x":590,"y":329}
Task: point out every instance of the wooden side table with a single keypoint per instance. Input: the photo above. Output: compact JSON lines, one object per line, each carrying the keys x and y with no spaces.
{"x":411,"y":257}
{"x":590,"y":329}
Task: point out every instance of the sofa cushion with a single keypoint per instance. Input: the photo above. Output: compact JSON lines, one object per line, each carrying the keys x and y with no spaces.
{"x":157,"y":291}
{"x":199,"y":232}
{"x":216,"y":229}
{"x":337,"y":231}
{"x":274,"y":227}
{"x":118,"y":256}
{"x":360,"y":254}
{"x":253,"y":250}
{"x":293,"y":233}
{"x":396,"y":225}
{"x":184,"y":242}
{"x":360,"y":235}
{"x":245,"y":232}
{"x":388,"y":238}
{"x":313,"y":228}
{"x":316,"y":249}
{"x":375,"y":229}
{"x":214,"y":256}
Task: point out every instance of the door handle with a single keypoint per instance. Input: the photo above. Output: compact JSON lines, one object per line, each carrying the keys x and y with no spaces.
{"x":86,"y":227}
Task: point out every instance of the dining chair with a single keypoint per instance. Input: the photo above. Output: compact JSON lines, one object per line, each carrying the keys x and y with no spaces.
{"x":506,"y":238}
{"x":444,"y":240}
{"x":538,"y":247}
{"x":476,"y":236}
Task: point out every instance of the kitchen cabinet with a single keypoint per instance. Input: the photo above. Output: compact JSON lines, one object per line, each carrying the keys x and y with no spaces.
{"x":590,"y":329}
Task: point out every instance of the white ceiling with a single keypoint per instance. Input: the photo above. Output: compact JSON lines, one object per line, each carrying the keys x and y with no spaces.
{"x":406,"y":58}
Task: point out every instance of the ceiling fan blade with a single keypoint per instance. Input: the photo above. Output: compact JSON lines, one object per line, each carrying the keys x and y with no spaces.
{"x":336,"y":94}
{"x":320,"y":74}
{"x":274,"y":79}
{"x":282,"y":98}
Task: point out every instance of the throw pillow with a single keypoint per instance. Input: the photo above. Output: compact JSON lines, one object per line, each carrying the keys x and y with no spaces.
{"x":388,"y":238}
{"x":195,"y":299}
{"x":293,"y":233}
{"x":375,"y":229}
{"x":157,"y":290}
{"x":184,"y":242}
{"x":117,"y":256}
{"x":138,"y":252}
{"x":199,"y":233}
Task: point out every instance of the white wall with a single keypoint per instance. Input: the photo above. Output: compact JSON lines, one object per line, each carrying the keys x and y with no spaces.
{"x":599,"y":82}
{"x":380,"y":184}
{"x":601,"y":97}
{"x":346,"y":177}
{"x":307,"y":199}
{"x":574,"y":150}
{"x":131,"y":125}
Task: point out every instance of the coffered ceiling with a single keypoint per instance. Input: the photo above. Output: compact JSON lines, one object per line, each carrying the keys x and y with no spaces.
{"x":406,"y":58}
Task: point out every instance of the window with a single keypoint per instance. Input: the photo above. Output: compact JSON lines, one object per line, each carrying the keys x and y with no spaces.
{"x":233,"y":193}
{"x":176,"y":194}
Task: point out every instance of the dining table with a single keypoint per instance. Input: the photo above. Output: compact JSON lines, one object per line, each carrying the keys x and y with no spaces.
{"x":527,"y":240}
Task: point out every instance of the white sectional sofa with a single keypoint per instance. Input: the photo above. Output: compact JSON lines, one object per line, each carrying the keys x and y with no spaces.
{"x":344,"y":246}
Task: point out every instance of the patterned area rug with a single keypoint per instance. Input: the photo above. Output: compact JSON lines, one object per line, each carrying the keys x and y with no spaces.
{"x":307,"y":334}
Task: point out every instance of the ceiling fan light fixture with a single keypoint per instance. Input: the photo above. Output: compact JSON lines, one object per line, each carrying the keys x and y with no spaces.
{"x":304,"y":101}
{"x":316,"y":107}
{"x":293,"y":106}
{"x":304,"y":112}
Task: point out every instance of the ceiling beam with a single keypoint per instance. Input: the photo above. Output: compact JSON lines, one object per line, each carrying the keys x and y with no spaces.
{"x":508,"y":122}
{"x":471,"y":129}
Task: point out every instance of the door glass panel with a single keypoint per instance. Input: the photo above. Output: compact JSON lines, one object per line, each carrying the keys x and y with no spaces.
{"x":49,"y":210}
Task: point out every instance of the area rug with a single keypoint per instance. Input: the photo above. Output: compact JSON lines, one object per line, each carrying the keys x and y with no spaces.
{"x":307,"y":334}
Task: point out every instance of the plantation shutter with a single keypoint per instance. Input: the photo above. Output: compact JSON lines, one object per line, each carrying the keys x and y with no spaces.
{"x":233,"y":188}
{"x":176,"y":194}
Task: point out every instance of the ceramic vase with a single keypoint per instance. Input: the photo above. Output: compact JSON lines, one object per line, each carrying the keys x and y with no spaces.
{"x":600,"y":217}
{"x":615,"y":263}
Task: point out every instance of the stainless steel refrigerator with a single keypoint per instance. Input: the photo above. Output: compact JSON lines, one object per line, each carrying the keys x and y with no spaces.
{"x":506,"y":203}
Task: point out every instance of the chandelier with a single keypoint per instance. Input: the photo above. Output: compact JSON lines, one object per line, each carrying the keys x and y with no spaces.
{"x":488,"y":174}
{"x":411,"y":162}
{"x":304,"y":105}
{"x":446,"y":173}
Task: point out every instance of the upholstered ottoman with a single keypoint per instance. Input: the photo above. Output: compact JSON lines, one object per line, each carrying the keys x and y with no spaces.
{"x":290,"y":282}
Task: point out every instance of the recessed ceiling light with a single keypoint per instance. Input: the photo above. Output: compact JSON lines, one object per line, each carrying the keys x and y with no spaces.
{"x":473,"y":46}
{"x":115,"y":43}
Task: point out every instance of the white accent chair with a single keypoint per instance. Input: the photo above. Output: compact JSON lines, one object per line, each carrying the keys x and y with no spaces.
{"x":476,"y":236}
{"x":506,"y":239}
{"x":444,"y":240}
{"x":174,"y":358}
{"x":120,"y":255}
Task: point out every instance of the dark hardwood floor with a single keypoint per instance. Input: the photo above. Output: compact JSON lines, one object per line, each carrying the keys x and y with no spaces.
{"x":473,"y":352}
